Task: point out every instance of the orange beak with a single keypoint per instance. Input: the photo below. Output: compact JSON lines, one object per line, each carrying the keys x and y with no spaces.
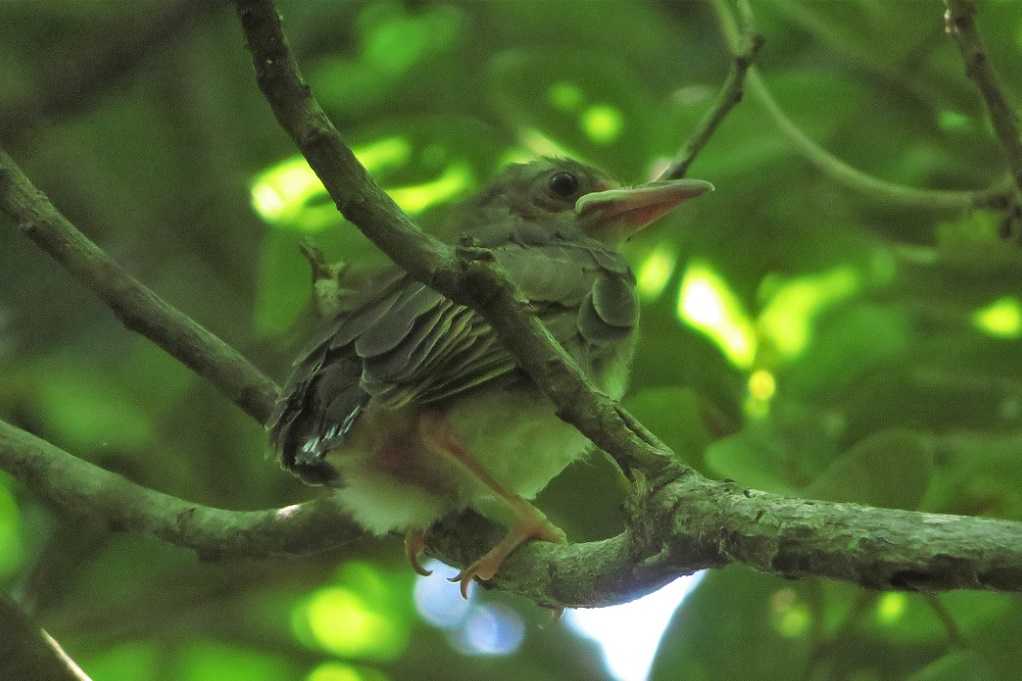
{"x":620,"y":213}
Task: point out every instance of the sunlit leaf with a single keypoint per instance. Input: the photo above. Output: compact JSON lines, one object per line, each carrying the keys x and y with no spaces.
{"x":786,"y":320}
{"x":12,"y":550}
{"x":706,"y":303}
{"x":1001,"y":319}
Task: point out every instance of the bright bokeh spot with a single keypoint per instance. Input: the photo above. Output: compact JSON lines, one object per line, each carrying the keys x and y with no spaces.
{"x":794,"y":622}
{"x":340,"y":671}
{"x":891,"y":607}
{"x":790,"y":617}
{"x":565,"y":96}
{"x":786,"y":320}
{"x":762,"y":385}
{"x":1000,"y":319}
{"x":602,"y":123}
{"x":362,"y":614}
{"x":436,"y":601}
{"x":630,"y":634}
{"x":490,"y":629}
{"x":541,"y":145}
{"x":346,"y":623}
{"x":12,"y":551}
{"x":655,"y":271}
{"x":706,"y":303}
{"x":289,"y":193}
{"x":415,"y":199}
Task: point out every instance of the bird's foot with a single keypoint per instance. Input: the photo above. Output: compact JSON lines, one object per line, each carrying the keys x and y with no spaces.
{"x":415,"y":542}
{"x":534,"y":527}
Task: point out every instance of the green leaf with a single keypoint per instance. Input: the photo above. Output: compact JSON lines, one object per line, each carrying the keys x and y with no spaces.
{"x":709,"y":640}
{"x":675,"y":415}
{"x":957,"y":666}
{"x":751,"y":458}
{"x":890,"y":469}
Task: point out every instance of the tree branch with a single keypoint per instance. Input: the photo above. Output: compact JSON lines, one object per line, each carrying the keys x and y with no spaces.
{"x":466,"y":275}
{"x":138,"y":307}
{"x":843,"y":173}
{"x":730,"y":95}
{"x":686,"y":521}
{"x":81,"y":489}
{"x":961,"y":24}
{"x":678,"y":521}
{"x":28,"y":652}
{"x":687,"y":524}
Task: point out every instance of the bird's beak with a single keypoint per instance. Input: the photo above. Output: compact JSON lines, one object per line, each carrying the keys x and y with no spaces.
{"x":620,"y":213}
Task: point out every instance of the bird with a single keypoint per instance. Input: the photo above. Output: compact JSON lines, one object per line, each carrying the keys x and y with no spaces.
{"x":409,"y":405}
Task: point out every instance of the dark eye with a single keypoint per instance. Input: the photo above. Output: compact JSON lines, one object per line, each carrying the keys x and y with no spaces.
{"x":563,"y":185}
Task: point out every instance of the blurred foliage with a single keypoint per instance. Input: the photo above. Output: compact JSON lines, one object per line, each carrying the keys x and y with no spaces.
{"x":797,"y":337}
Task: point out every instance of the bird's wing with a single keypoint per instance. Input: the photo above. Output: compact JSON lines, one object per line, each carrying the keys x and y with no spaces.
{"x":409,"y":344}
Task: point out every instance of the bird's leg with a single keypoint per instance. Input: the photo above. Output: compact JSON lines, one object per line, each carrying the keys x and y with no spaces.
{"x":529,"y":521}
{"x":415,"y":542}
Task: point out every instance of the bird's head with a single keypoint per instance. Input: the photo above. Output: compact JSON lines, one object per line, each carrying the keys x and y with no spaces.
{"x":562,"y":191}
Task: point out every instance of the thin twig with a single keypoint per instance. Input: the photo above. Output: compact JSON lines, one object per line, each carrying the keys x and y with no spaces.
{"x":730,"y":95}
{"x":954,"y":634}
{"x":137,"y":306}
{"x":961,"y":24}
{"x":888,"y":192}
{"x":28,"y":652}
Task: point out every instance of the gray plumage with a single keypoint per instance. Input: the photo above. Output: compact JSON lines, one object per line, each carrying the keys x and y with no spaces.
{"x":406,"y":343}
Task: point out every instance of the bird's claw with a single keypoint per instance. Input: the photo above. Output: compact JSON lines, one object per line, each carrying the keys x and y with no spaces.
{"x":415,"y":542}
{"x":487,"y":567}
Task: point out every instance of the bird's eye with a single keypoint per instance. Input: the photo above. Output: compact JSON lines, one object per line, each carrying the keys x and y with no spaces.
{"x":563,"y":185}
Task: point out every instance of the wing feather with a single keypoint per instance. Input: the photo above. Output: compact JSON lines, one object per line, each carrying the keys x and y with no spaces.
{"x":408,"y":344}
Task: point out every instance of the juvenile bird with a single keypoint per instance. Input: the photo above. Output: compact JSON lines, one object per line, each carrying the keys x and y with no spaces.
{"x":409,"y":404}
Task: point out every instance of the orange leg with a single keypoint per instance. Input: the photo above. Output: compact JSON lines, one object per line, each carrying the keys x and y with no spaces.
{"x":415,"y":542}
{"x":530,"y":523}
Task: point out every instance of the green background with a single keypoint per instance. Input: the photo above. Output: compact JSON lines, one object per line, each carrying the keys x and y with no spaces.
{"x":798,"y":336}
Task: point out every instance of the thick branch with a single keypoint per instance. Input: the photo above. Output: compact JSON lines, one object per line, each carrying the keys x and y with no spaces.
{"x":82,"y":489}
{"x":28,"y":652}
{"x":962,"y":25}
{"x":138,"y":308}
{"x":686,"y":524}
{"x":841,"y":172}
{"x":731,"y":93}
{"x":464,"y":275}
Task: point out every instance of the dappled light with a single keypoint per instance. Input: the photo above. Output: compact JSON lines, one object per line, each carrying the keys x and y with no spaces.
{"x":706,"y":303}
{"x":823,"y":353}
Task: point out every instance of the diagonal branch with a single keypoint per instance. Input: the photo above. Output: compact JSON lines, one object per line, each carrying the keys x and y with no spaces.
{"x":678,"y":521}
{"x":465,"y":275}
{"x":28,"y":652}
{"x":961,"y":23}
{"x":79,"y":488}
{"x":731,"y":93}
{"x":138,"y":307}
